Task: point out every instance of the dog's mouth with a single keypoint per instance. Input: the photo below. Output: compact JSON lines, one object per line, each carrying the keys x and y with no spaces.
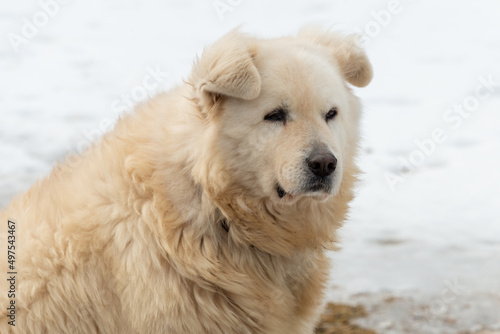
{"x":322,"y":186}
{"x":311,"y":189}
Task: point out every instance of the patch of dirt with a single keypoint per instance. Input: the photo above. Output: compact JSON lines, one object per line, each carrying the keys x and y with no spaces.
{"x":337,"y":320}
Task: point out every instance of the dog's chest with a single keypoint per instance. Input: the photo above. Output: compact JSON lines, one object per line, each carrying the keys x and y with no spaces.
{"x":291,"y":293}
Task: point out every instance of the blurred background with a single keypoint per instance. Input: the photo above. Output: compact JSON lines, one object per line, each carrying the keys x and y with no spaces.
{"x":421,"y":249}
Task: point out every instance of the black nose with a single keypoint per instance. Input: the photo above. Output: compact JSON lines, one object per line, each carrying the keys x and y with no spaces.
{"x":322,"y":164}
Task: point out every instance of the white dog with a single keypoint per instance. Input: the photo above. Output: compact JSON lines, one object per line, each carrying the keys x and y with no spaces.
{"x":207,"y":210}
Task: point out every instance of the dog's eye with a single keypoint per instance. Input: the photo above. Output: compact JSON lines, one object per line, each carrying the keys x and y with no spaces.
{"x":277,"y":115}
{"x":331,"y":114}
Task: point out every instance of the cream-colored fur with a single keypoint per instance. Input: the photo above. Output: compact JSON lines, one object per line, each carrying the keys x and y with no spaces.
{"x":130,"y":237}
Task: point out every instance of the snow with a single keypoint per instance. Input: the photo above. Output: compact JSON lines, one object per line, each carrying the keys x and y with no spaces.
{"x":424,"y":255}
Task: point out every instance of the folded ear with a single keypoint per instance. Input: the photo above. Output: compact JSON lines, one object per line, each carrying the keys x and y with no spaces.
{"x":227,"y":68}
{"x":346,"y":50}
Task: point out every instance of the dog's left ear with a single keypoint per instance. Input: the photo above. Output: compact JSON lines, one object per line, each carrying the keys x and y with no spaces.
{"x":227,"y":68}
{"x":346,"y":50}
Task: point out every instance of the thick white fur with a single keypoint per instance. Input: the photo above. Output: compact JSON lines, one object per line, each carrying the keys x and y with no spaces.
{"x":128,"y":237}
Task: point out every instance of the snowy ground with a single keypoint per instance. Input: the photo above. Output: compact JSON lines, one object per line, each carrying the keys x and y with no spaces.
{"x":423,"y":254}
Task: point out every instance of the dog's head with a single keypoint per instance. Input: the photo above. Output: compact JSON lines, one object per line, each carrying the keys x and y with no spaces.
{"x":282,"y":123}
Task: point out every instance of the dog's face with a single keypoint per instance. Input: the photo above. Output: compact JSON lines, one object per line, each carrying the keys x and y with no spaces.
{"x":288,"y":123}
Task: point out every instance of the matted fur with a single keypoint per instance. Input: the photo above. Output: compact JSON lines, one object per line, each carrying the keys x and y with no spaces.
{"x":128,"y":237}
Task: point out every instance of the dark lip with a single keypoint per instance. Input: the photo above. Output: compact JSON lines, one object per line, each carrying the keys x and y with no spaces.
{"x":281,"y":192}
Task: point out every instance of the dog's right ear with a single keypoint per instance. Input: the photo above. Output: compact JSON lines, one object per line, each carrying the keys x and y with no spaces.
{"x":346,"y":50}
{"x":227,"y":69}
